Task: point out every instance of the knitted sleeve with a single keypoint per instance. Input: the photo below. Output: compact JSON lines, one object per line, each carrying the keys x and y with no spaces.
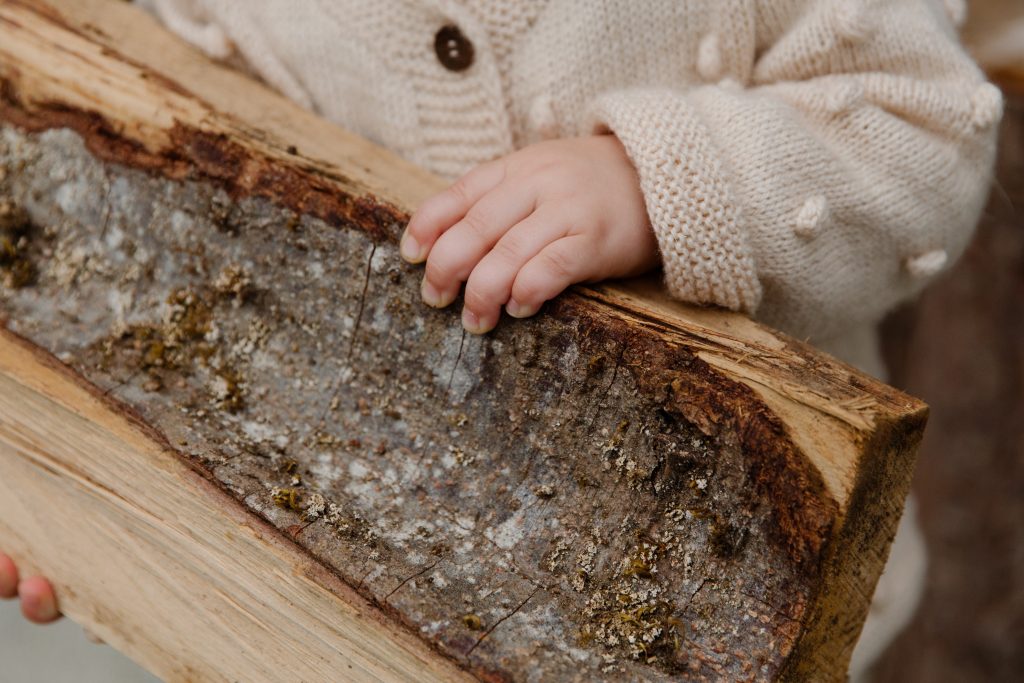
{"x":846,"y":169}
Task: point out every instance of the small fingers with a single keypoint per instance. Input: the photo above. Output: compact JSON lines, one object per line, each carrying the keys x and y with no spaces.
{"x":8,"y":577}
{"x":38,"y":603}
{"x":490,"y":284}
{"x":546,"y":275}
{"x":457,"y":252}
{"x":441,"y":211}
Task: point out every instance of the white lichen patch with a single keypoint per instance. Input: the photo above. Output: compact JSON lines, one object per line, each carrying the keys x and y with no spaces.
{"x":410,"y":530}
{"x":258,"y":432}
{"x":316,"y":505}
{"x":629,"y":614}
{"x":314,"y":270}
{"x":554,"y":558}
{"x":114,"y":238}
{"x":182,"y":223}
{"x":254,"y":338}
{"x":70,"y":264}
{"x":333,"y":514}
{"x":544,"y":490}
{"x":455,"y":456}
{"x":325,"y":469}
{"x":384,"y":259}
{"x":358,"y":470}
{"x":584,"y":566}
{"x":510,"y":532}
{"x":120,"y":303}
{"x":234,"y":280}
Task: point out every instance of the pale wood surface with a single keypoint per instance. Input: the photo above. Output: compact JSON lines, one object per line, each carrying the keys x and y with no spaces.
{"x":755,"y":481}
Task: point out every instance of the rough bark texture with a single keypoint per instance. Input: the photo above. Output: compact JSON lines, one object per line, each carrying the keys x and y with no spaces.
{"x":604,"y":489}
{"x":962,"y":348}
{"x":567,"y":483}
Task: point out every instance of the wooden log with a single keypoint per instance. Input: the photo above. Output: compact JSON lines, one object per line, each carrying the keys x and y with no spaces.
{"x":620,"y":487}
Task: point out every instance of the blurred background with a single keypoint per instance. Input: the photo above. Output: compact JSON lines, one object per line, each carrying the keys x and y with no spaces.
{"x":59,"y":653}
{"x":961,"y":349}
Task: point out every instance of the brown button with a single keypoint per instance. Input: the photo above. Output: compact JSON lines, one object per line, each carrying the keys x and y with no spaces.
{"x":453,"y":49}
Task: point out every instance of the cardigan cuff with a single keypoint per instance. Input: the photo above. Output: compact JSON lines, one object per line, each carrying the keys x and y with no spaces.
{"x":706,"y":256}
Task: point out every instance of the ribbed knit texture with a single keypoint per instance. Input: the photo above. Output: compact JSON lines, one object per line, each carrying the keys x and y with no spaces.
{"x":813,"y":162}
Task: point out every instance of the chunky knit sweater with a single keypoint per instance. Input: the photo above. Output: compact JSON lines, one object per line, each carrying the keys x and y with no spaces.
{"x":811,"y":162}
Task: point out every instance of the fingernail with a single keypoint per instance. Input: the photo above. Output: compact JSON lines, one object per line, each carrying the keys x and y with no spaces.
{"x":46,"y":610}
{"x":518,"y":310}
{"x":37,"y":608}
{"x":30,"y":604}
{"x":410,"y":249}
{"x":471,"y":321}
{"x":430,"y":295}
{"x":8,"y":578}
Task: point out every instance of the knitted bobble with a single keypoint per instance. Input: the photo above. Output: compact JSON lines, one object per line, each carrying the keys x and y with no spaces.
{"x":927,"y":264}
{"x":729,"y":84}
{"x":843,"y":96}
{"x":709,"y":58}
{"x":541,"y":117}
{"x":811,"y":217}
{"x":215,"y":42}
{"x":854,"y":21}
{"x":986,"y":106}
{"x":956,"y":10}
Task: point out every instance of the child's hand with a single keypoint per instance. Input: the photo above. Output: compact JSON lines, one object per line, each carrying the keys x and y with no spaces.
{"x":520,"y":229}
{"x":38,"y":602}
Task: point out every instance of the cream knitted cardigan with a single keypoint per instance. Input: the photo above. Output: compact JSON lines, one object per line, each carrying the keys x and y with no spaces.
{"x":812,"y":162}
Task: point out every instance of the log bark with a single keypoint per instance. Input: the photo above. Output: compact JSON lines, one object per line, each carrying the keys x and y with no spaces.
{"x":620,"y":487}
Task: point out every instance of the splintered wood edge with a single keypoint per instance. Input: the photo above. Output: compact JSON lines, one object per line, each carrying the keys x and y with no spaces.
{"x":106,"y":64}
{"x":70,"y":453}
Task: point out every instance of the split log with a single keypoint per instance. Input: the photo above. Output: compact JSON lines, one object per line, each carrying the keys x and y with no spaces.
{"x":244,"y":450}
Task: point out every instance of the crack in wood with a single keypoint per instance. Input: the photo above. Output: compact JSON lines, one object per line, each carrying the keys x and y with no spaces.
{"x":362,"y":579}
{"x":503,"y":619}
{"x":514,"y":566}
{"x":405,"y":581}
{"x":107,"y":208}
{"x":120,"y":384}
{"x":355,"y":333}
{"x":775,"y":610}
{"x":693,"y":596}
{"x":304,"y":527}
{"x":362,"y":303}
{"x":599,"y":403}
{"x":455,"y":366}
